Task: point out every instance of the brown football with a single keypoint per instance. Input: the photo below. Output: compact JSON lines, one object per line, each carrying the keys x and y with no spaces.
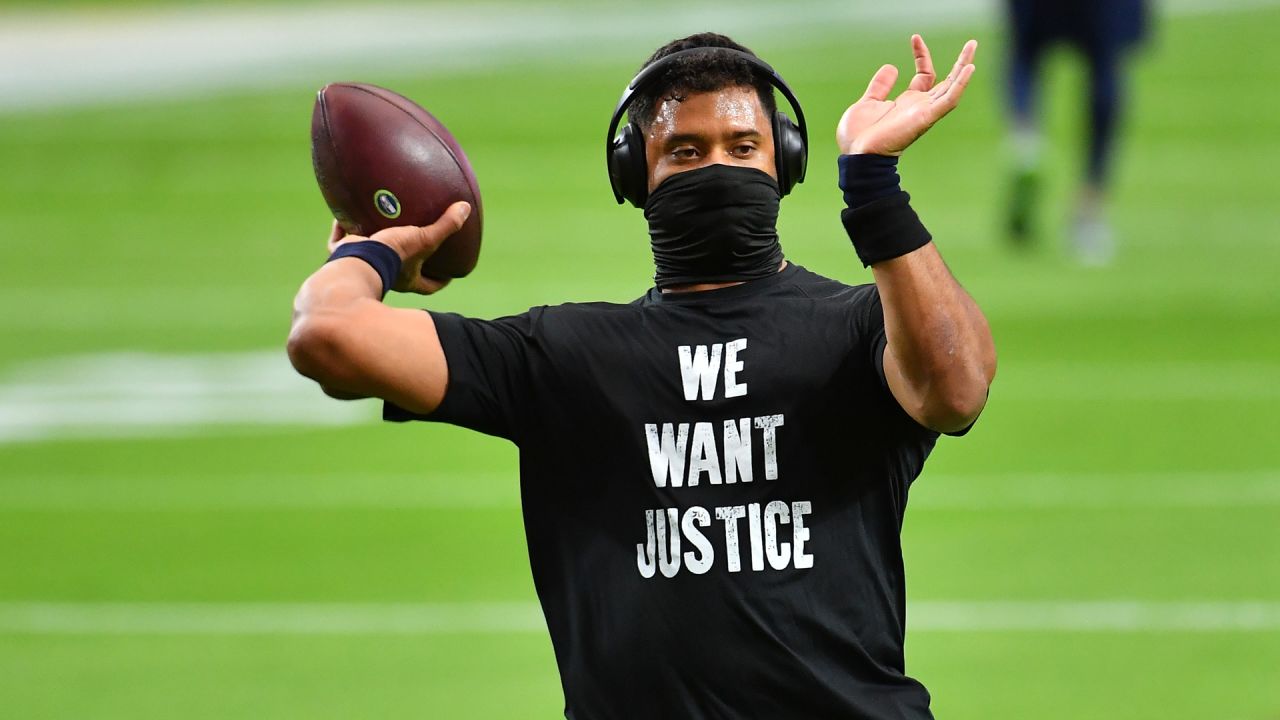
{"x":382,"y":160}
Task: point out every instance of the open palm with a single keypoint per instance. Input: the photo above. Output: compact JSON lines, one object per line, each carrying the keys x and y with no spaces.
{"x":876,"y":125}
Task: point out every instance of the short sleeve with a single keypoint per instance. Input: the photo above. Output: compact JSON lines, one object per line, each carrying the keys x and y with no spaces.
{"x":488,"y":363}
{"x":868,"y":329}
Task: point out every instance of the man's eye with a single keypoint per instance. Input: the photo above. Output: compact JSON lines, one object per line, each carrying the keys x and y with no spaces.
{"x":745,"y":150}
{"x":685,"y":153}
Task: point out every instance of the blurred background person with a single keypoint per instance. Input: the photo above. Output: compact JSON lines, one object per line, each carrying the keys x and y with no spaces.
{"x":1104,"y":32}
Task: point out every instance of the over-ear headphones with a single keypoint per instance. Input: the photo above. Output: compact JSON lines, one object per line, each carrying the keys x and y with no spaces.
{"x":629,"y":168}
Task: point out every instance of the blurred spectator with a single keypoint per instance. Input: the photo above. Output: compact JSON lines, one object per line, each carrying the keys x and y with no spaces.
{"x":1103,"y":32}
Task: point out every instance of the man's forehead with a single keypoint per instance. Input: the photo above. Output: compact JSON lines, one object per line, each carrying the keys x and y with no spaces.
{"x":731,"y":109}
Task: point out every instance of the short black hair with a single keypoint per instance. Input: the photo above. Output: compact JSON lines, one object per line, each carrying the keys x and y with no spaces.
{"x":699,"y":73}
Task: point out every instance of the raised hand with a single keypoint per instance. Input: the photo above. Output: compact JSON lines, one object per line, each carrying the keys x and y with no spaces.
{"x":876,"y":125}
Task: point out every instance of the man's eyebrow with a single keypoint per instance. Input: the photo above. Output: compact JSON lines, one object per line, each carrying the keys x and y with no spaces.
{"x":681,"y":138}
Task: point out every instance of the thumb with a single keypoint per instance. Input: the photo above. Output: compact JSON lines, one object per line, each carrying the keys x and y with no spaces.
{"x":881,"y":83}
{"x":412,"y":241}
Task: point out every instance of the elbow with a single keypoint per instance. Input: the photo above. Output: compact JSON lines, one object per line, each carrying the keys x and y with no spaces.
{"x":956,"y":403}
{"x":315,"y":348}
{"x":949,"y":388}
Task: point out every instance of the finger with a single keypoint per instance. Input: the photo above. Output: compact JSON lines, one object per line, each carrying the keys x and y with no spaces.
{"x":424,"y":285}
{"x":450,"y":222}
{"x":336,"y":233}
{"x":882,"y":83}
{"x":345,"y":240}
{"x":967,"y":53}
{"x":412,"y":241}
{"x":925,"y":75}
{"x":951,"y":99}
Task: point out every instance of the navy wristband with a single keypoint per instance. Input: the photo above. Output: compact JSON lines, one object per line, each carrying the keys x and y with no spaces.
{"x":879,"y":220}
{"x":867,"y":178}
{"x":380,"y":257}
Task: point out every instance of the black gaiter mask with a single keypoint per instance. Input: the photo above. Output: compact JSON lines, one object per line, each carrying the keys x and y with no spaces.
{"x":714,"y":224}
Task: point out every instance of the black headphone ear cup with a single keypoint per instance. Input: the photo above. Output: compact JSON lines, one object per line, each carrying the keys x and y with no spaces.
{"x":789,"y":153}
{"x":618,"y":156}
{"x":628,"y":166}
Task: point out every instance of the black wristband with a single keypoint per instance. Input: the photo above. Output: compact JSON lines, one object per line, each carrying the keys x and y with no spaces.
{"x":885,"y":229}
{"x":381,"y":257}
{"x":867,"y":178}
{"x":880,"y":221}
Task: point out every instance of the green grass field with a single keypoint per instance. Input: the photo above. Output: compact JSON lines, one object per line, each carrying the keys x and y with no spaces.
{"x":1129,"y":452}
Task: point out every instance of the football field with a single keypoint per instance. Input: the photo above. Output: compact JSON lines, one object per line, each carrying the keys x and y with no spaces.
{"x":188,"y":530}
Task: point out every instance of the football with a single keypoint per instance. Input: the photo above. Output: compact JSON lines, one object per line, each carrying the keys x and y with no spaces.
{"x":382,"y":160}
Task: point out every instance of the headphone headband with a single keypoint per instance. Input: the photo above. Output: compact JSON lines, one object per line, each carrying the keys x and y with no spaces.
{"x":646,"y":77}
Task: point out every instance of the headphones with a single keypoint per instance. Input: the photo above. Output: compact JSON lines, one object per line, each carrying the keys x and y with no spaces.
{"x":629,"y":167}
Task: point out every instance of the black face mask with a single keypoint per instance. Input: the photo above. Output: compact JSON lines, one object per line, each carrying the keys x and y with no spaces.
{"x":714,"y":224}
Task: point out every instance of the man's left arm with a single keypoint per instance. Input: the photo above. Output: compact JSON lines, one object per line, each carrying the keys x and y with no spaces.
{"x":939,"y":358}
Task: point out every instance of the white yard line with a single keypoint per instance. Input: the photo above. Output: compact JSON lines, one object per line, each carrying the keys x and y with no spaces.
{"x":1111,"y":382}
{"x":50,"y":60}
{"x":1096,"y":491}
{"x":1114,"y":616}
{"x":64,"y":58}
{"x":268,"y":619}
{"x":136,"y":394}
{"x":230,"y":491}
{"x":148,"y":395}
{"x":311,"y":619}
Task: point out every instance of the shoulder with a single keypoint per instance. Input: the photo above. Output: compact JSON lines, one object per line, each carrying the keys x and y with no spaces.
{"x":573,"y":322}
{"x":565,"y":314}
{"x":821,"y":287}
{"x":540,"y":314}
{"x":584,"y":309}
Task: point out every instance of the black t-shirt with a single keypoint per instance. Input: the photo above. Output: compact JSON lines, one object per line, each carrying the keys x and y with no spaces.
{"x":713,"y":486}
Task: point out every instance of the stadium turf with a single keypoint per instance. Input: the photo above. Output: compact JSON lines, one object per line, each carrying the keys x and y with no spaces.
{"x":1128,"y":453}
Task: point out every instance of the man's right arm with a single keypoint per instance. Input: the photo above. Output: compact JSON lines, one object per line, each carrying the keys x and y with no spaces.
{"x":939,"y":358}
{"x":345,"y":339}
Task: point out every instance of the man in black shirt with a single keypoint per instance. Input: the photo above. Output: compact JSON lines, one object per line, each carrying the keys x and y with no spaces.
{"x":714,"y":476}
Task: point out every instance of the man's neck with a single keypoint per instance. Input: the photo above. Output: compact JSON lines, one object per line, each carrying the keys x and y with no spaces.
{"x":702,"y":287}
